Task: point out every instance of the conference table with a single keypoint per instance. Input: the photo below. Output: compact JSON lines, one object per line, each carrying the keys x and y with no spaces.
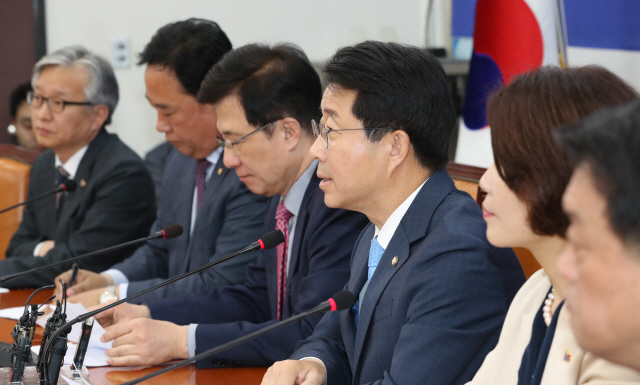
{"x":117,"y":375}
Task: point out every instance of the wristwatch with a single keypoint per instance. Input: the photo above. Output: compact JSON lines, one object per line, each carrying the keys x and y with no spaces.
{"x":108,"y":295}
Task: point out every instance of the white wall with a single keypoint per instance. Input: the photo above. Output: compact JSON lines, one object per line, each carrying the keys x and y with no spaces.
{"x":625,"y":64}
{"x":318,"y":27}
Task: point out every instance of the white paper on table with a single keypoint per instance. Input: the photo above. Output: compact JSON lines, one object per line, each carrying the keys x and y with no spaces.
{"x":74,"y":310}
{"x":3,"y":290}
{"x":13,"y":313}
{"x":70,"y":381}
{"x":94,"y":357}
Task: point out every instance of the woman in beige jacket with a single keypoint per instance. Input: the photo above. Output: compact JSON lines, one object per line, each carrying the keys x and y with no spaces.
{"x":523,"y":209}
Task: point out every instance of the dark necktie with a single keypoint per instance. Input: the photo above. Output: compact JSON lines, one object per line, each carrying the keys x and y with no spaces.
{"x":61,"y":176}
{"x":282,"y":223}
{"x":201,"y":178}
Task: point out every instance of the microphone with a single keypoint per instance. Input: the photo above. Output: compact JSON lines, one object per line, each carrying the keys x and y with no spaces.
{"x":341,"y":300}
{"x":68,"y":186}
{"x":267,"y":241}
{"x":168,"y":232}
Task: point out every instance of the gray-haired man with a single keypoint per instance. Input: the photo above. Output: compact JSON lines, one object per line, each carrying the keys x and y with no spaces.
{"x":74,"y":95}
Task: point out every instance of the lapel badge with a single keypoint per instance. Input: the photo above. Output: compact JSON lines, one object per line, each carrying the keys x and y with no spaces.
{"x":220,"y":171}
{"x":567,"y":356}
{"x":83,"y":182}
{"x":394,"y":261}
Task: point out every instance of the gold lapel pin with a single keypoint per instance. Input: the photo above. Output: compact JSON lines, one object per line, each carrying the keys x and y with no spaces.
{"x":394,"y":261}
{"x":220,"y":171}
{"x":567,"y":356}
{"x":83,"y":182}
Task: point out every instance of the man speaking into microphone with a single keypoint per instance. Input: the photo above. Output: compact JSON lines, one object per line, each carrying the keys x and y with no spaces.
{"x":74,"y":95}
{"x":265,"y":99}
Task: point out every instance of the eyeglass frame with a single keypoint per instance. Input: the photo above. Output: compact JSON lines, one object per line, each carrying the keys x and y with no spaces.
{"x":30,"y":100}
{"x":232,"y":145}
{"x":317,"y":133}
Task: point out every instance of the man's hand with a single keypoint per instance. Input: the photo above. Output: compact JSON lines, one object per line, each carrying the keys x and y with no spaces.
{"x":87,"y":299}
{"x":46,"y":246}
{"x":85,"y":280}
{"x":119,"y":314}
{"x":298,"y":372}
{"x":145,"y":342}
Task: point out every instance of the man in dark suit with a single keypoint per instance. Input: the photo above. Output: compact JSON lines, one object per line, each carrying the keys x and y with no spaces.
{"x":432,"y":293}
{"x":265,"y":99}
{"x":155,"y":160}
{"x":218,"y":213}
{"x":75,"y":94}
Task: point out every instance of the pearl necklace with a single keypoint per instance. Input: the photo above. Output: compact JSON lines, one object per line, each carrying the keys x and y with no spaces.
{"x":546,"y":309}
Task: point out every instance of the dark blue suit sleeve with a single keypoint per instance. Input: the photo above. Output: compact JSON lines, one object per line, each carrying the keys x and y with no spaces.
{"x":242,"y":225}
{"x":231,"y":312}
{"x":227,"y":221}
{"x":435,"y":322}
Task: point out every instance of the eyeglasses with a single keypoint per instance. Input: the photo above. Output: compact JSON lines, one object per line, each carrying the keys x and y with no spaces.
{"x":54,"y":104}
{"x":319,"y":129}
{"x":232,"y":145}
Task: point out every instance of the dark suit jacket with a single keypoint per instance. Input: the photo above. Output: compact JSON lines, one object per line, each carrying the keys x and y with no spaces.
{"x":434,"y":316}
{"x":319,"y":266}
{"x":155,"y":161}
{"x":229,"y":218}
{"x":113,"y":203}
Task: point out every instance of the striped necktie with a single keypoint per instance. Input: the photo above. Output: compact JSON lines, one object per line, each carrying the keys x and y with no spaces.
{"x":282,"y":223}
{"x":201,"y":179}
{"x":61,"y":176}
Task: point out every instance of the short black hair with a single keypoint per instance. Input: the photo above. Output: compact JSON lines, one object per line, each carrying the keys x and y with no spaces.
{"x":609,"y":144}
{"x":401,"y":87}
{"x":190,"y":48}
{"x":271,"y":82}
{"x":18,"y":95}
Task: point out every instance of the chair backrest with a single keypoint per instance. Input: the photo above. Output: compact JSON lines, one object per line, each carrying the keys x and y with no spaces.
{"x":466,"y":179}
{"x":15,"y":168}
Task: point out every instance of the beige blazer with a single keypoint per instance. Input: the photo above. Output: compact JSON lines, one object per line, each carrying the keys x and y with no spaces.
{"x":567,"y":362}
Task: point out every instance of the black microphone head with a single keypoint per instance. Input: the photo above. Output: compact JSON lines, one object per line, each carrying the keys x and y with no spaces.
{"x":342,"y":300}
{"x":69,"y":185}
{"x":172,"y":231}
{"x":271,"y":239}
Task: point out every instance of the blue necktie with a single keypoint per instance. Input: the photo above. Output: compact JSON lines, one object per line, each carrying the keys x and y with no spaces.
{"x":375,"y":253}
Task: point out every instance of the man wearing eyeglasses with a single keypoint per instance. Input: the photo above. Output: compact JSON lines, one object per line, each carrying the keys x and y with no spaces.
{"x":74,"y":95}
{"x":432,"y":292}
{"x":265,"y":99}
{"x":218,"y":213}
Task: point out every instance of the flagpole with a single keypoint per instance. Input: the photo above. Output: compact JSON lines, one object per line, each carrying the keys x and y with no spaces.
{"x":561,"y":33}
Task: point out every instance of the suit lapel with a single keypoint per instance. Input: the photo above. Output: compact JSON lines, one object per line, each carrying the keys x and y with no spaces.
{"x":271,"y":256}
{"x":300,"y":228}
{"x":412,"y":227}
{"x":83,"y":179}
{"x":183,"y":203}
{"x":359,"y":268}
{"x":301,"y":223}
{"x":219,"y":173}
{"x":398,"y":247}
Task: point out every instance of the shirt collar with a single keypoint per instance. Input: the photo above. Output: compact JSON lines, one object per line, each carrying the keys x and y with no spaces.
{"x":294,"y":197}
{"x":72,"y":164}
{"x":215,"y":155}
{"x":389,"y":228}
